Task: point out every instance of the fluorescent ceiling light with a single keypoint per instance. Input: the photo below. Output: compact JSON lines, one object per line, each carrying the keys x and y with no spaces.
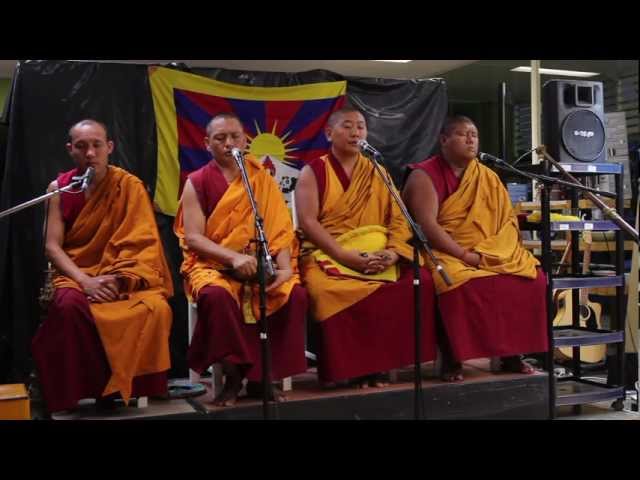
{"x":552,"y":71}
{"x":394,"y":61}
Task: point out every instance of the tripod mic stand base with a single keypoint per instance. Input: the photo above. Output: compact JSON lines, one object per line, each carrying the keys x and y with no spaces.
{"x":179,"y":388}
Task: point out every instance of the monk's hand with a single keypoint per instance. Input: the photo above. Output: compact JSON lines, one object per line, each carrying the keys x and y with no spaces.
{"x":360,"y":261}
{"x":282,"y":275}
{"x":244,"y":266}
{"x":101,"y":289}
{"x":471,"y":258}
{"x":387,"y":258}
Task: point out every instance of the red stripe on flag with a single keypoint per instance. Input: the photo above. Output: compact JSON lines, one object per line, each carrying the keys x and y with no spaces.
{"x":283,"y":112}
{"x":190,"y":135}
{"x":312,"y":129}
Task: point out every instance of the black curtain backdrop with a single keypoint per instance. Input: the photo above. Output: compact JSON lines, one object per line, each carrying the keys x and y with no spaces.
{"x":47,"y":97}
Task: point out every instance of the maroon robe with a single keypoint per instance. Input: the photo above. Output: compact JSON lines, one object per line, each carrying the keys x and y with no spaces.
{"x":375,"y":334}
{"x":221,"y":332}
{"x":498,"y":315}
{"x":69,"y":356}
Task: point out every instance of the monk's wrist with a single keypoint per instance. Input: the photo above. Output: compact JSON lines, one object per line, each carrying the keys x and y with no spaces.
{"x":82,"y":278}
{"x":340,"y":255}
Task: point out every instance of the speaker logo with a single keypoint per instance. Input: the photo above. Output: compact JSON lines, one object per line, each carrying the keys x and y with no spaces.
{"x":583,"y":133}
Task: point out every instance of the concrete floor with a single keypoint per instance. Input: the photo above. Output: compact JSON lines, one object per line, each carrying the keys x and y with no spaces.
{"x":596,"y":411}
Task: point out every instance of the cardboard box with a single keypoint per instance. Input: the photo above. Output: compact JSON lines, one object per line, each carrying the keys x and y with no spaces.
{"x":14,"y":402}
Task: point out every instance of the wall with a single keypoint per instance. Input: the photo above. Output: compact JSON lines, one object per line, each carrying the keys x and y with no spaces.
{"x":5,"y":85}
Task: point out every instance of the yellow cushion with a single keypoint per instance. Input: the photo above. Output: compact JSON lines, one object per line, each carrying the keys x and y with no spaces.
{"x":369,"y":238}
{"x":555,"y":217}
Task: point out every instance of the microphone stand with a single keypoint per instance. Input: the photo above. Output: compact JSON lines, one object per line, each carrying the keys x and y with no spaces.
{"x":609,"y":212}
{"x":572,"y":182}
{"x":265,"y":262}
{"x":77,"y":181}
{"x":419,"y":241}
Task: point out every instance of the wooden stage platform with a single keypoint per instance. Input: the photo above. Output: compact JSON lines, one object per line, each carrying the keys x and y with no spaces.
{"x":482,"y":395}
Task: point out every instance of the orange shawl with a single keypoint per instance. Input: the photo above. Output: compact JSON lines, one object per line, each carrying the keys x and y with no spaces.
{"x":231,"y":225}
{"x":479,"y":216}
{"x":116,"y":234}
{"x":366,"y":202}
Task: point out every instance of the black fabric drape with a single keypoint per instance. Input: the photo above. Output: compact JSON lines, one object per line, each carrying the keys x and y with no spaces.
{"x":47,"y":97}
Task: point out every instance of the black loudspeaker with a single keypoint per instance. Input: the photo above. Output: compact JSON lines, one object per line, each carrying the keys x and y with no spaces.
{"x":573,"y":128}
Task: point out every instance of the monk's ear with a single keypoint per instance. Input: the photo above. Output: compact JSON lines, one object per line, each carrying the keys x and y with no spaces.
{"x":327,"y":133}
{"x":69,"y":147}
{"x":110,"y":147}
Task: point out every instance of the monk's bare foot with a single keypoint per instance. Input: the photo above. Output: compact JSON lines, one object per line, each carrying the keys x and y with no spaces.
{"x":277,"y":395}
{"x":232,"y":387}
{"x":255,"y":390}
{"x":359,"y":382}
{"x":376,"y":380}
{"x":516,"y":364}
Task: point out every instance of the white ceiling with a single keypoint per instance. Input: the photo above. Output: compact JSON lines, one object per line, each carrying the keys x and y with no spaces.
{"x":363,"y":68}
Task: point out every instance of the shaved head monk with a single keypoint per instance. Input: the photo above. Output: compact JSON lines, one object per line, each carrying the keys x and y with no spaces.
{"x":216,"y":228}
{"x":356,"y":263}
{"x":496,"y":304}
{"x":107,"y":329}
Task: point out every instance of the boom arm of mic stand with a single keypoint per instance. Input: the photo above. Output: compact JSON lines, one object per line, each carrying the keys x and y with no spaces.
{"x":417,"y":230}
{"x":39,"y":199}
{"x":543,"y":178}
{"x":608,"y":211}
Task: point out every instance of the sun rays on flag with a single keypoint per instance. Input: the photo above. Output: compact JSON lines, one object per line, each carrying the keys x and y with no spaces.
{"x":269,"y":144}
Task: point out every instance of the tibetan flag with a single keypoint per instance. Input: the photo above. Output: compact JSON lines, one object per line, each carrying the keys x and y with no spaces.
{"x":284,"y":126}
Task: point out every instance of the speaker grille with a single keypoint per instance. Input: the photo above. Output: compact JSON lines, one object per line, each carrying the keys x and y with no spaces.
{"x":583,"y":135}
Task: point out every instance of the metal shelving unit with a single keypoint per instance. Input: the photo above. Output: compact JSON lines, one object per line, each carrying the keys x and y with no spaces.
{"x":576,"y":389}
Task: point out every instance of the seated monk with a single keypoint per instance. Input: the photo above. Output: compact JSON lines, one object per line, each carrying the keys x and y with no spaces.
{"x":108,"y":324}
{"x":356,"y":263}
{"x":496,"y":305}
{"x":216,"y":228}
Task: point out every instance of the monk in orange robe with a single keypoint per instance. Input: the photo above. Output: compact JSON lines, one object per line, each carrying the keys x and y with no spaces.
{"x":216,"y":228}
{"x":356,"y":263}
{"x":107,"y":329}
{"x":496,"y":304}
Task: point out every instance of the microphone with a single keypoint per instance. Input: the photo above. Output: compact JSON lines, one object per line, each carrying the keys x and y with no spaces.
{"x":365,"y":148}
{"x":486,"y":158}
{"x":238,"y":156}
{"x":87,"y":178}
